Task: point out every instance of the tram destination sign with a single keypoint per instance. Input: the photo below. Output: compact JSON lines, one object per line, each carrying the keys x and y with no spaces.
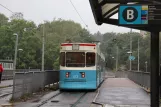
{"x":140,"y":14}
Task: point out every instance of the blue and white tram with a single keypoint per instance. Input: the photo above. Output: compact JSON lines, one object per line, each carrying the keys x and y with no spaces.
{"x":81,"y":66}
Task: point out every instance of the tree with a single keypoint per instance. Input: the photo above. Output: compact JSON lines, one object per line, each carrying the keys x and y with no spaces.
{"x":57,"y":32}
{"x":3,"y":20}
{"x":111,"y":40}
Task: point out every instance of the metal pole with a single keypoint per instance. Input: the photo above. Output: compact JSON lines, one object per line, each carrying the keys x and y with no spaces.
{"x":154,"y":78}
{"x":43,"y":42}
{"x":138,"y":55}
{"x":117,"y":58}
{"x":146,"y":66}
{"x":15,"y":56}
{"x":130,"y":47}
{"x":14,"y":65}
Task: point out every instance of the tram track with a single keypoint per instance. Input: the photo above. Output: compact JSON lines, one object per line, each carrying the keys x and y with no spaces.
{"x":79,"y":99}
{"x":73,"y":104}
{"x":80,"y":96}
{"x":44,"y":102}
{"x":2,"y":90}
{"x":56,"y":95}
{"x":4,"y":95}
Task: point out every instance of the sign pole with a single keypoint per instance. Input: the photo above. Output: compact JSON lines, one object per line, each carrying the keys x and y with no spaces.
{"x":130,"y":48}
{"x":138,"y":55}
{"x":117,"y":49}
{"x":154,"y":80}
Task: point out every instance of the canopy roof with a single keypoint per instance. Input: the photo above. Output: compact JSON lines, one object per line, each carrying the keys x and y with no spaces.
{"x":104,"y":9}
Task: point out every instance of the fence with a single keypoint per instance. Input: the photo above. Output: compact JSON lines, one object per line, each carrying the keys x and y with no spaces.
{"x":29,"y":82}
{"x":7,"y":74}
{"x":121,"y":74}
{"x":27,"y":70}
{"x":118,"y":74}
{"x":141,"y":78}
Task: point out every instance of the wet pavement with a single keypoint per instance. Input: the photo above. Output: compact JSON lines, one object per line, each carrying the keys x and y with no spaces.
{"x":122,"y":92}
{"x":5,"y":100}
{"x":5,"y":95}
{"x":114,"y":92}
{"x":67,"y":99}
{"x":5,"y":91}
{"x":6,"y":87}
{"x":37,"y":101}
{"x":6,"y":83}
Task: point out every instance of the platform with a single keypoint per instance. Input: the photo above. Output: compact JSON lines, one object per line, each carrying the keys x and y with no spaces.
{"x":6,"y":83}
{"x":122,"y":92}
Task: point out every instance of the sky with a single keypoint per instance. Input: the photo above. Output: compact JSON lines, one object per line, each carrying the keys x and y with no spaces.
{"x":40,"y":10}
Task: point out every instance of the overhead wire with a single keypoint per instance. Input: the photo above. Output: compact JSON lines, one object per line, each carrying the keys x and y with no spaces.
{"x":79,"y":14}
{"x":7,"y":8}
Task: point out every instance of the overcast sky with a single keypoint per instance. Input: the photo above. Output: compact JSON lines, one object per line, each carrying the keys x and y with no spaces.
{"x":39,"y":10}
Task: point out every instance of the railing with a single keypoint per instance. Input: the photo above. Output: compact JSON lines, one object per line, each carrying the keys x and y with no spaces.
{"x":121,"y":74}
{"x":141,"y":78}
{"x":117,"y":74}
{"x":29,"y":82}
{"x":7,"y":74}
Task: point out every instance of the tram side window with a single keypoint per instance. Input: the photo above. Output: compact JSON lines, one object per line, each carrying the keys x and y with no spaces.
{"x":90,"y":59}
{"x":62,"y":59}
{"x":98,"y":58}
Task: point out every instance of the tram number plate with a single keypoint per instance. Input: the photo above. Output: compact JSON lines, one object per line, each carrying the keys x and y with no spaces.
{"x":75,"y":76}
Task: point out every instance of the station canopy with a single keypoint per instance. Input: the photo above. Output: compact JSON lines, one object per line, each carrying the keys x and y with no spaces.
{"x":103,"y":10}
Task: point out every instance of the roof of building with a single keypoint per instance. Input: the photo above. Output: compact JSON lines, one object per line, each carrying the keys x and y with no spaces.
{"x":1,"y":60}
{"x":103,"y":10}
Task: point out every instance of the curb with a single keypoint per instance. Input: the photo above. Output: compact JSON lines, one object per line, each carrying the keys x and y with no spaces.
{"x":6,"y":86}
{"x":6,"y":105}
{"x":3,"y":95}
{"x":146,"y":89}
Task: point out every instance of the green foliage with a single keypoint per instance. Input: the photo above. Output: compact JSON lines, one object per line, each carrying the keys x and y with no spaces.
{"x":3,"y":19}
{"x":30,"y":40}
{"x":57,"y":32}
{"x":111,"y":40}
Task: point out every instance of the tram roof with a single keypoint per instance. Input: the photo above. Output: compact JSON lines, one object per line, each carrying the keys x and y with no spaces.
{"x":81,"y":44}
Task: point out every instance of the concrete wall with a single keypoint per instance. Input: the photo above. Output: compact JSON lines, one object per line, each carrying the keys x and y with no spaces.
{"x":29,"y":82}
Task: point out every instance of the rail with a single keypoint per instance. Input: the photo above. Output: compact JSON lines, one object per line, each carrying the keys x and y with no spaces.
{"x":8,"y":73}
{"x":141,"y":78}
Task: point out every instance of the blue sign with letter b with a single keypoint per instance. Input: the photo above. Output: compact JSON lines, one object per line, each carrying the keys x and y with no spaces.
{"x":130,"y":14}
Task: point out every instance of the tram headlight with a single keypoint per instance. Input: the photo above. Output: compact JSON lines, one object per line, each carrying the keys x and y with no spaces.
{"x":67,"y":74}
{"x":83,"y":74}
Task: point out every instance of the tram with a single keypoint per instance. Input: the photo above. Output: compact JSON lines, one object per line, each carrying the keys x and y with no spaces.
{"x":82,"y":66}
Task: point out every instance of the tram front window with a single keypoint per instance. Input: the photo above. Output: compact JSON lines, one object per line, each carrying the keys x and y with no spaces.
{"x":75,"y":59}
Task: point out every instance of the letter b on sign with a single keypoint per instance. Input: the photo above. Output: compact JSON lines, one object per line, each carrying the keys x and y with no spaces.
{"x":130,"y":14}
